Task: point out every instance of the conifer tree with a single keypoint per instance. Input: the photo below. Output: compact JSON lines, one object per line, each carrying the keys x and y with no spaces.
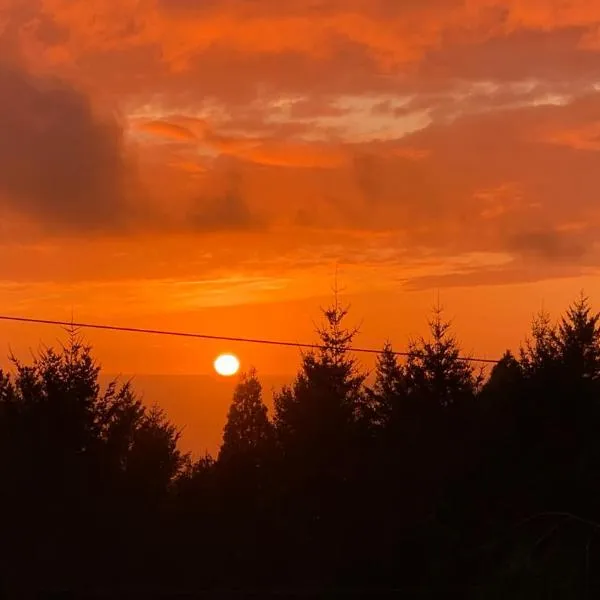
{"x":561,"y":364}
{"x":248,"y":431}
{"x":578,"y":340}
{"x":387,"y":398}
{"x":325,"y":402}
{"x":435,"y":370}
{"x":73,"y":433}
{"x":541,"y":352}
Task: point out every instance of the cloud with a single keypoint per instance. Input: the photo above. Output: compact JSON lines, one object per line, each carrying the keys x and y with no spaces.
{"x":490,"y":181}
{"x":164,"y":129}
{"x":583,"y":137}
{"x":236,"y":50}
{"x":224,"y":213}
{"x":300,"y":155}
{"x":500,"y":178}
{"x":59,"y":163}
{"x":514,"y":273}
{"x":549,"y":245}
{"x":457,"y":127}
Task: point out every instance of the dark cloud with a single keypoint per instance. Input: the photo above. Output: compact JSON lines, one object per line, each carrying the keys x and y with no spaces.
{"x":58,"y":163}
{"x":367,"y":169}
{"x":304,"y":218}
{"x":551,"y":56}
{"x":224,"y":213}
{"x":548,"y":245}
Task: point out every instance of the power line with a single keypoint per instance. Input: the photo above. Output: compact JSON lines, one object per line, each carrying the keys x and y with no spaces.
{"x":203,"y":336}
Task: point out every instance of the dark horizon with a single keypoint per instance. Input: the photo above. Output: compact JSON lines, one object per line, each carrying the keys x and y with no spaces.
{"x":429,"y":478}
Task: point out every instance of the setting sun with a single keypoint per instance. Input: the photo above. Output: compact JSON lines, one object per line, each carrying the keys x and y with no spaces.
{"x":227,"y":365}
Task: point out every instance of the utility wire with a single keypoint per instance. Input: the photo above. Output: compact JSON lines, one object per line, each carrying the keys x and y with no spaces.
{"x":203,"y":336}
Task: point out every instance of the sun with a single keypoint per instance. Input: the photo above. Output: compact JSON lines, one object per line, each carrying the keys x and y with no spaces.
{"x":227,"y":365}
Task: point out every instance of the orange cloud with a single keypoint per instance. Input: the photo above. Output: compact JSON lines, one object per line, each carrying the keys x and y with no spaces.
{"x":452,"y":127}
{"x":393,"y":32}
{"x":585,"y":137}
{"x":166,"y":130}
{"x":295,"y":155}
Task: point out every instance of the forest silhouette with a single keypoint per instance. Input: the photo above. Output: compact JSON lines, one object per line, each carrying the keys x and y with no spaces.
{"x":430,"y":478}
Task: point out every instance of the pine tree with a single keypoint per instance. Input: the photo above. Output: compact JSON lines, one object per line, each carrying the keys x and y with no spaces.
{"x":388,"y":395}
{"x":577,"y":380}
{"x":325,"y":402}
{"x":57,"y":397}
{"x":435,"y":370}
{"x":540,"y":352}
{"x":561,"y":364}
{"x":80,"y":438}
{"x":248,"y":431}
{"x":100,"y":459}
{"x":578,"y":341}
{"x":153,"y":461}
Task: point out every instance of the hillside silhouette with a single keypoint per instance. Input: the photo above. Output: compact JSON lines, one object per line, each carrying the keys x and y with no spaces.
{"x":430,"y":477}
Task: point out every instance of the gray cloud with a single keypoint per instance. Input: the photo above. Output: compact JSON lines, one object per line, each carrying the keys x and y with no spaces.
{"x":58,"y":163}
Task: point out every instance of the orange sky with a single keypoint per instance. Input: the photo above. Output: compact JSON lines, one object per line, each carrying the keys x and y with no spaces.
{"x":206,"y":165}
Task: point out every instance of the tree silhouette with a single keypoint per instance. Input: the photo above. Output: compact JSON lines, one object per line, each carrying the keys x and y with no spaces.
{"x":327,"y":397}
{"x":68,"y":418}
{"x":153,"y":460}
{"x":248,"y":432}
{"x":501,"y":399}
{"x":505,"y":374}
{"x":96,"y":457}
{"x":540,"y":354}
{"x":442,"y":387}
{"x":561,"y":364}
{"x":435,"y":370}
{"x":317,"y":423}
{"x":426,"y":479}
{"x":388,"y":394}
{"x":578,"y":340}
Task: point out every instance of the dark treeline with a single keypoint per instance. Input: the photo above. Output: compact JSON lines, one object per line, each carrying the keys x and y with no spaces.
{"x":431,"y":480}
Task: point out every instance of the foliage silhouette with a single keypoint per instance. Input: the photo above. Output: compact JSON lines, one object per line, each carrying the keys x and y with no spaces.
{"x":435,"y":371}
{"x":388,"y":396}
{"x":424,"y":479}
{"x":248,"y":432}
{"x":319,"y":411}
{"x":78,"y":462}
